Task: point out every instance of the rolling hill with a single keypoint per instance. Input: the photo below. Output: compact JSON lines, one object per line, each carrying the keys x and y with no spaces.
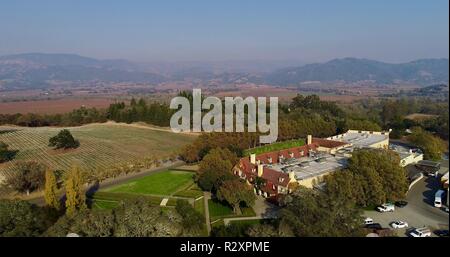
{"x":38,"y":70}
{"x":420,"y":72}
{"x":35,"y":70}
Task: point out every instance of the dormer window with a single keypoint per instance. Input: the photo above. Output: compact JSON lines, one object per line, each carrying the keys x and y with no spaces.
{"x":291,"y":155}
{"x":302,"y":153}
{"x":280,"y":180}
{"x":270,"y":160}
{"x":253,"y":170}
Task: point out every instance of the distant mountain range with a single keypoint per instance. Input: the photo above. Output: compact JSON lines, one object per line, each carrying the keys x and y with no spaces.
{"x":420,"y":72}
{"x":38,"y":70}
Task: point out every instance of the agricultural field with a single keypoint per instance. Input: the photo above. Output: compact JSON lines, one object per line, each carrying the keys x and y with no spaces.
{"x":53,"y":106}
{"x":102,"y":146}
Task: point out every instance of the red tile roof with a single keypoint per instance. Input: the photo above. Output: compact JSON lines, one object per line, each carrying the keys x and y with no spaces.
{"x":273,"y":177}
{"x":328,"y":143}
{"x":295,"y":152}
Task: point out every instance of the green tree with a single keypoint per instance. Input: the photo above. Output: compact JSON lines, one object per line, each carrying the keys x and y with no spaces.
{"x":75,"y":196}
{"x":64,"y":139}
{"x":5,"y":153}
{"x":86,"y":223}
{"x":132,"y":218}
{"x":215,"y":168}
{"x":373,"y":176}
{"x":51,"y":190}
{"x":432,"y":146}
{"x":193,"y":221}
{"x":361,"y":125}
{"x":29,"y":176}
{"x":262,"y":230}
{"x":236,"y":192}
{"x":138,"y":218}
{"x":313,"y":213}
{"x":22,"y":219}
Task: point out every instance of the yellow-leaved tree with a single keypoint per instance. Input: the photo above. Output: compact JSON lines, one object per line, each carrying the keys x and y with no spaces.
{"x":75,"y":195}
{"x":51,"y":190}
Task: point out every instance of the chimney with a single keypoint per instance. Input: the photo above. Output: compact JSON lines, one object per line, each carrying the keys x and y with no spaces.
{"x":309,"y":139}
{"x":260,"y":170}
{"x":253,"y":158}
{"x":292,"y":176}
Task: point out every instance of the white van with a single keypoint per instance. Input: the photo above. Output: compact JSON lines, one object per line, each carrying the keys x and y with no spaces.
{"x":438,"y":198}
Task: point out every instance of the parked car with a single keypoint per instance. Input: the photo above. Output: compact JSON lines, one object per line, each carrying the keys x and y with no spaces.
{"x":441,"y":233}
{"x":386,"y":207}
{"x":399,"y":224}
{"x":401,"y":204}
{"x":433,"y":173}
{"x":368,"y":221}
{"x":375,"y":226}
{"x":421,"y":232}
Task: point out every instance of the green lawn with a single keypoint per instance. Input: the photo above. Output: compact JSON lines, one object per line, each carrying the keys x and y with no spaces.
{"x":111,"y":197}
{"x":275,"y":147}
{"x":218,"y":210}
{"x":163,"y":183}
{"x":192,"y":191}
{"x":247,"y":222}
{"x":104,"y":204}
{"x":199,"y":206}
{"x":108,"y":200}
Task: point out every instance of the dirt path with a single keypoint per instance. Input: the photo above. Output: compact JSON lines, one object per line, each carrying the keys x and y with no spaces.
{"x":206,"y":197}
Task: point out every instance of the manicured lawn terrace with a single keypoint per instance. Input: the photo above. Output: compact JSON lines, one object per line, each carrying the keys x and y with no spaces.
{"x":104,"y":204}
{"x":107,"y":200}
{"x":275,"y":147}
{"x":199,"y":206}
{"x":163,"y":183}
{"x":192,"y":191}
{"x":154,"y":188}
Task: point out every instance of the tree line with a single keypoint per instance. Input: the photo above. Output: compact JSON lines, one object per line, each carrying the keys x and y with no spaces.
{"x":134,"y":111}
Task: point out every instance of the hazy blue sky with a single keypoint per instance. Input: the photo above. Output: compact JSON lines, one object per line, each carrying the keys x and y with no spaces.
{"x":198,"y":30}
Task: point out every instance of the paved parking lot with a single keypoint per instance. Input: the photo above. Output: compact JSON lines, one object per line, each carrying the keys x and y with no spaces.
{"x":420,"y":210}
